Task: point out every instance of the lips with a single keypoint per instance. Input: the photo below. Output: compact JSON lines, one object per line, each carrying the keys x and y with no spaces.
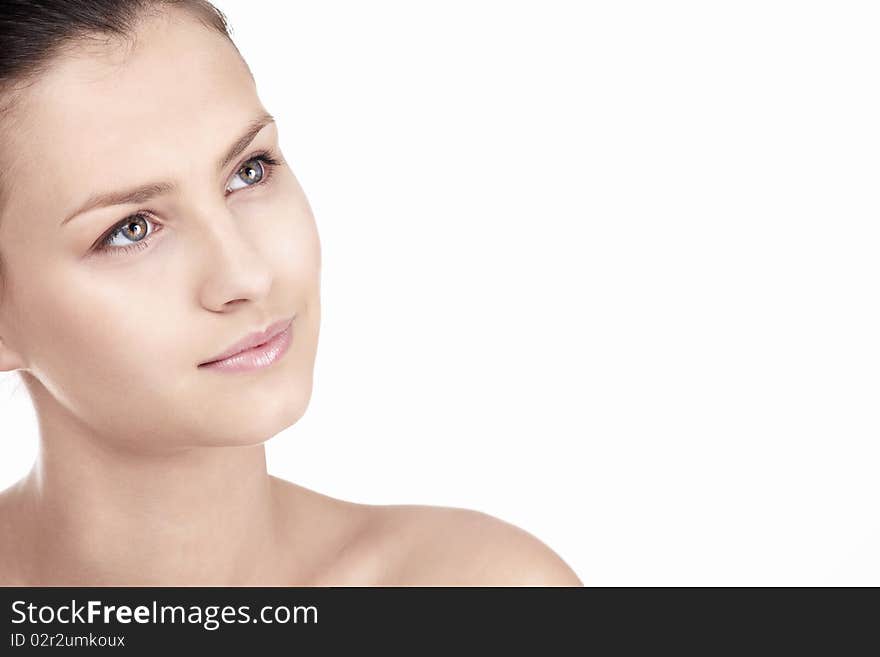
{"x":252,"y":340}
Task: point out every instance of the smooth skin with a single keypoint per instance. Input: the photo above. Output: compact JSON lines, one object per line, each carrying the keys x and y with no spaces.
{"x":152,"y":471}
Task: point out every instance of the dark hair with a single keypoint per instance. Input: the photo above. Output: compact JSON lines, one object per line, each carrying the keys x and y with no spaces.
{"x":33,"y":33}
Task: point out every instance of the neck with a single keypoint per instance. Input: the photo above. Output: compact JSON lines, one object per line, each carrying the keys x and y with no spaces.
{"x":101,"y":516}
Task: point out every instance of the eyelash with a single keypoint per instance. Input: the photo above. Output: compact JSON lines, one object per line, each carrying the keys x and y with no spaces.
{"x":269,"y":163}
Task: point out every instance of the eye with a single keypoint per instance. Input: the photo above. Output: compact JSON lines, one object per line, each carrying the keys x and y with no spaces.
{"x":134,"y":227}
{"x":255,"y":171}
{"x":255,"y":174}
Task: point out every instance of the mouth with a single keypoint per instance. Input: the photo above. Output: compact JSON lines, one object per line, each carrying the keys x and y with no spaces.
{"x":255,"y":350}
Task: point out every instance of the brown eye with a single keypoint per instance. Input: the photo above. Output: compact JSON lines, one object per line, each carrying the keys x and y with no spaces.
{"x":135,"y":228}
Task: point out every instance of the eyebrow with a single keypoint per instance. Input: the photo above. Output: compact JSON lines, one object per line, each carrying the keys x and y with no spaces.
{"x":144,"y":193}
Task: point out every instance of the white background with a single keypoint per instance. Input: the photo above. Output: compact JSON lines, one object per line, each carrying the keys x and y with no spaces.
{"x":604,"y":270}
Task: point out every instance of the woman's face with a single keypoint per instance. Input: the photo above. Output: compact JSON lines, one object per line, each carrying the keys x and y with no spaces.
{"x":113,"y":337}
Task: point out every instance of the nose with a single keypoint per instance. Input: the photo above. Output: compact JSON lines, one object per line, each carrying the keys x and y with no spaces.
{"x":233,"y":268}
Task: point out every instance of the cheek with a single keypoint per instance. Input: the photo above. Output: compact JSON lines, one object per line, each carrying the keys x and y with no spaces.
{"x":299,"y":253}
{"x":292,"y":223}
{"x":91,"y":340}
{"x":118,"y":367}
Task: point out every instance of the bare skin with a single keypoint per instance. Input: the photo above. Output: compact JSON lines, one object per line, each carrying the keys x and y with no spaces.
{"x":316,"y":540}
{"x":151,"y":471}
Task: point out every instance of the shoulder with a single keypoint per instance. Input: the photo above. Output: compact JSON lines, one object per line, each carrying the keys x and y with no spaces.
{"x":450,"y":546}
{"x":12,"y":543}
{"x":416,"y":545}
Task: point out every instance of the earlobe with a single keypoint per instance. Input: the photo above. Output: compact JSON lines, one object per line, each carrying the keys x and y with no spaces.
{"x":10,"y":360}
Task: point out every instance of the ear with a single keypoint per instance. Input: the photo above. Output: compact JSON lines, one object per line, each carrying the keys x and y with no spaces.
{"x":10,"y":359}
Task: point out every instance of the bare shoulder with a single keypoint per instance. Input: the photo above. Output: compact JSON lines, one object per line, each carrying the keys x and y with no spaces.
{"x":355,"y":544}
{"x":10,"y":538}
{"x":448,"y":546}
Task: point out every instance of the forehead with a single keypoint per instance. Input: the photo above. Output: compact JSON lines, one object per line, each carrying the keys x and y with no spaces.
{"x":118,"y":113}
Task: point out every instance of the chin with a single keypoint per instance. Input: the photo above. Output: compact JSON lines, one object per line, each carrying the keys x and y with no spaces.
{"x":255,"y":425}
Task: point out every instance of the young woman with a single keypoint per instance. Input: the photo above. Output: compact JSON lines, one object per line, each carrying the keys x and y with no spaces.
{"x":160,"y":300}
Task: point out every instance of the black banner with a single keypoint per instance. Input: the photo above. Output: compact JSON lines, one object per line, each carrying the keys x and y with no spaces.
{"x":415,"y":619}
{"x":330,"y":618}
